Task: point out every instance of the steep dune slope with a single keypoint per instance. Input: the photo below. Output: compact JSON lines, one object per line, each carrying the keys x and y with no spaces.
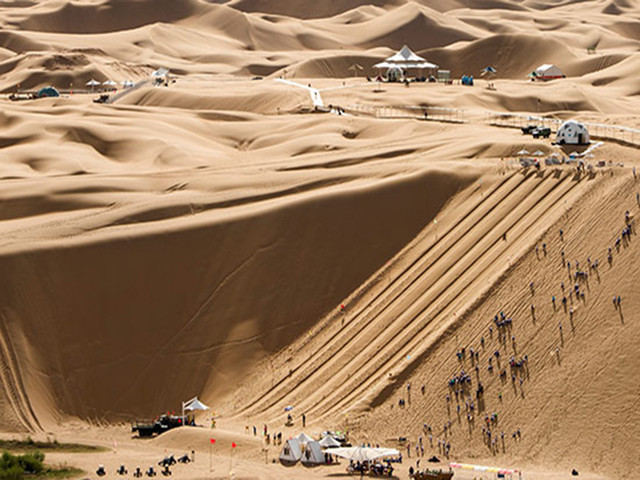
{"x":197,"y":305}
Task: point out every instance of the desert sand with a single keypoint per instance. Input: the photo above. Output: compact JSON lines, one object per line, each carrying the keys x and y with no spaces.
{"x":219,"y":237}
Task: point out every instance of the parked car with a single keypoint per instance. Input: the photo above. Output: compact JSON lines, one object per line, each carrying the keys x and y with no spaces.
{"x":541,"y":132}
{"x":163,"y":424}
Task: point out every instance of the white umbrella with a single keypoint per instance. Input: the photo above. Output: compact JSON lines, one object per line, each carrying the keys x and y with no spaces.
{"x":109,"y":83}
{"x":523,"y":152}
{"x":538,"y":153}
{"x":362,"y":454}
{"x":126,"y":83}
{"x":92,"y":83}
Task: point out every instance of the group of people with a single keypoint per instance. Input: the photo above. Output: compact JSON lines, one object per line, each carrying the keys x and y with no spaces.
{"x":371,"y":468}
{"x":275,"y":438}
{"x":166,"y":463}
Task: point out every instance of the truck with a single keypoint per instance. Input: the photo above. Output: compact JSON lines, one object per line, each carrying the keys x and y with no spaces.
{"x":163,"y":424}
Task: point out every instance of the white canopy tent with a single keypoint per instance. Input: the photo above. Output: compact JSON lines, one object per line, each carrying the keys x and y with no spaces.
{"x":547,"y":71}
{"x":92,"y":83}
{"x":161,"y":76}
{"x":291,"y":452}
{"x":329,"y":442}
{"x":303,"y":439}
{"x":312,"y":455}
{"x":159,"y":73}
{"x":363,"y":454}
{"x":193,"y":405}
{"x":405,"y":59}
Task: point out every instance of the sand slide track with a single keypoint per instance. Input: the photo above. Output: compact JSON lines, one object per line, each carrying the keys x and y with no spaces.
{"x":550,"y":186}
{"x":360,"y":313}
{"x":447,"y":242}
{"x":419,"y":338}
{"x":445,"y":290}
{"x":360,"y":321}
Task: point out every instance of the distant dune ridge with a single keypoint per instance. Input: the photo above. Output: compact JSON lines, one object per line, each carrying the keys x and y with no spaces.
{"x":218,"y":238}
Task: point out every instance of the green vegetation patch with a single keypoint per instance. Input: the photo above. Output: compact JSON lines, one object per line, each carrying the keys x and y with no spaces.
{"x":29,"y":444}
{"x":31,"y":466}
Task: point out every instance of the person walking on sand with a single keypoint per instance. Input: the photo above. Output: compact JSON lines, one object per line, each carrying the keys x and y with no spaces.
{"x":304,"y":420}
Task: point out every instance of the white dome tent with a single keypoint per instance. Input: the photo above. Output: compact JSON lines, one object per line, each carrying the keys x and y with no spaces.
{"x":572,"y":133}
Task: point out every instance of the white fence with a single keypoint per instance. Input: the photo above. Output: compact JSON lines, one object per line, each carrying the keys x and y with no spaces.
{"x":626,"y":135}
{"x":438,"y":114}
{"x":618,"y":133}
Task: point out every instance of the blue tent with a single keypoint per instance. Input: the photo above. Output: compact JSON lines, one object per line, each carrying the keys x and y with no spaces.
{"x":48,"y":92}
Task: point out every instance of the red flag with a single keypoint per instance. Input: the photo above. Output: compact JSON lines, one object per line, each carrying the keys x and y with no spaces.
{"x":233,"y":445}
{"x":342,"y":307}
{"x":213,"y":440}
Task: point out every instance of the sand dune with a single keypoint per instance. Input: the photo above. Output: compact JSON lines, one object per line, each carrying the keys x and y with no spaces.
{"x":201,"y":238}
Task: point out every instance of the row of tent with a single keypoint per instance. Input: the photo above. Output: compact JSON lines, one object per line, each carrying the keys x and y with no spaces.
{"x":310,"y":452}
{"x":306,"y":450}
{"x":406,"y":59}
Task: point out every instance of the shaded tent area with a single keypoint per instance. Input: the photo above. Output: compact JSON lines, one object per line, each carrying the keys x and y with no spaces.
{"x":191,"y":406}
{"x":363,"y":454}
{"x":291,"y":453}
